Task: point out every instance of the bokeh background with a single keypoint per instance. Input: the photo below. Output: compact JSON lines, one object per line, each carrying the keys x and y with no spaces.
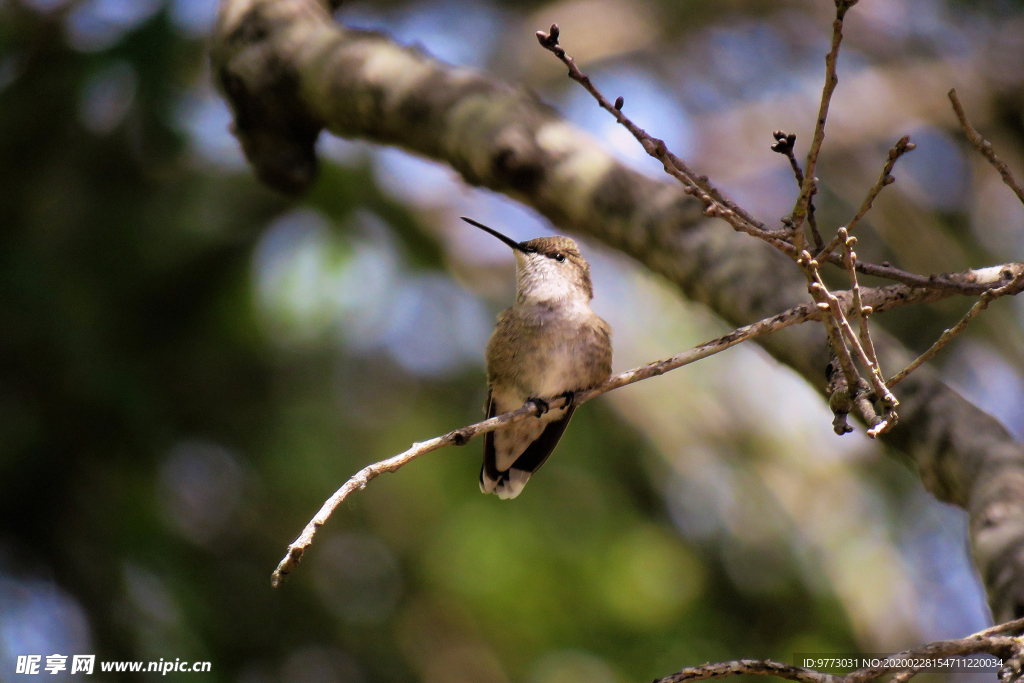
{"x":190,"y":364}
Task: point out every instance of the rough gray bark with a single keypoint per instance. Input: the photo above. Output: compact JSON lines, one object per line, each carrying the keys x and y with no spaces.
{"x":289,"y":71}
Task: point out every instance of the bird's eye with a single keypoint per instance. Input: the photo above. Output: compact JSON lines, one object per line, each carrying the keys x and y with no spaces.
{"x":560,"y":258}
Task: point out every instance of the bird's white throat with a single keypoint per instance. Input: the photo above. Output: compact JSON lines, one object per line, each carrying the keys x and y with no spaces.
{"x":548,"y":284}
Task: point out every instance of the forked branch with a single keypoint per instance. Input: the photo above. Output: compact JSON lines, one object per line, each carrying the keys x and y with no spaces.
{"x":1015,"y":284}
{"x":848,"y":347}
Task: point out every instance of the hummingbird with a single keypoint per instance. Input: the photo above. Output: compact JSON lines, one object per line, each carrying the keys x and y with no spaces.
{"x":548,"y":345}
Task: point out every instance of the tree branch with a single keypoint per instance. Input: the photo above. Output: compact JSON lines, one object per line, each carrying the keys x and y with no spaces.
{"x":882,"y":299}
{"x":902,"y":146}
{"x":985,"y":147}
{"x":751,"y":667}
{"x":784,"y":143}
{"x":831,"y":80}
{"x":905,"y":664}
{"x":1013,"y":287}
{"x":288,"y":71}
{"x":463,"y":435}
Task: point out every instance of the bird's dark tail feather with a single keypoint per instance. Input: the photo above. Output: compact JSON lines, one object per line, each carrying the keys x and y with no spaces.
{"x":510,"y":483}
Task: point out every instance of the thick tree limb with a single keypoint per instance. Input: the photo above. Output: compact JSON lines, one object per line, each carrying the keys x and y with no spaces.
{"x":289,"y":70}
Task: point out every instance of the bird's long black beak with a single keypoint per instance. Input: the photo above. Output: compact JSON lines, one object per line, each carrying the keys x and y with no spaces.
{"x":507,"y":240}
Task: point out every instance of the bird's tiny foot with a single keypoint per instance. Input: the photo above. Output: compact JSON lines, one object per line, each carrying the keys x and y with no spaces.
{"x":540,"y":405}
{"x":570,"y":399}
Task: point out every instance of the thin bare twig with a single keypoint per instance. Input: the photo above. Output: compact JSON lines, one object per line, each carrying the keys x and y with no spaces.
{"x":985,"y":147}
{"x":960,"y":282}
{"x":846,"y":391}
{"x":1013,"y":287}
{"x":829,"y":316}
{"x":831,"y":80}
{"x":843,"y":339}
{"x":902,"y":146}
{"x":1006,"y":627}
{"x":955,"y":282}
{"x":987,"y":297}
{"x":866,"y":348}
{"x":860,"y":311}
{"x":726,"y":209}
{"x":876,"y":424}
{"x":784,"y":143}
{"x":715,"y":201}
